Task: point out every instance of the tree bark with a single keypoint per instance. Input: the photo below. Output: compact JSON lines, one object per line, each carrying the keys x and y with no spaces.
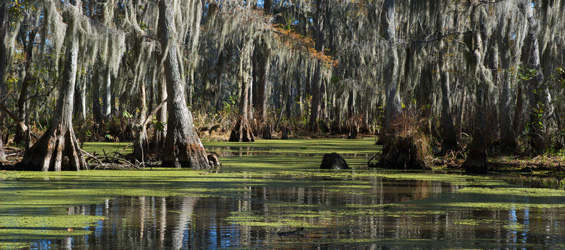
{"x":95,"y":93}
{"x":539,"y":95}
{"x":80,"y":101}
{"x":2,"y":152}
{"x":507,"y":77}
{"x":476,"y":162}
{"x":140,"y":144}
{"x":58,"y":148}
{"x":182,"y":145}
{"x":261,"y":67}
{"x":449,"y":135}
{"x":27,"y":81}
{"x":3,"y":50}
{"x":3,"y":65}
{"x":393,"y":106}
{"x":315,"y":106}
{"x":161,"y":130}
{"x":242,"y":132}
{"x":107,"y":98}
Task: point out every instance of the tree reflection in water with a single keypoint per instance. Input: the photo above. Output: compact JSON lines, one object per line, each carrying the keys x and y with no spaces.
{"x":386,"y":215}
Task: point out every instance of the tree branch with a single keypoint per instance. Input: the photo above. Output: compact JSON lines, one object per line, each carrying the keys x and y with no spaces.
{"x":153,"y":113}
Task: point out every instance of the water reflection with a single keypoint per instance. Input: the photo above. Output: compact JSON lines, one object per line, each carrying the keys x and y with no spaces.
{"x":538,"y":181}
{"x":382,"y":216}
{"x":231,"y":151}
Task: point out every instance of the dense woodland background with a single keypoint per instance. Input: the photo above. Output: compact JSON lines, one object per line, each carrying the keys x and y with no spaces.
{"x":484,"y":76}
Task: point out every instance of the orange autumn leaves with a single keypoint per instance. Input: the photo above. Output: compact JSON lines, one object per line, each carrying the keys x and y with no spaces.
{"x":295,"y":40}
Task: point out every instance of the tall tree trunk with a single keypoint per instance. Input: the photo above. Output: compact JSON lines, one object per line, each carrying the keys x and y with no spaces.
{"x":2,"y":152}
{"x":393,"y":107}
{"x":476,"y":162}
{"x":80,"y":102}
{"x":507,"y":77}
{"x":58,"y":148}
{"x":95,"y":93}
{"x":315,"y":106}
{"x":161,"y":130}
{"x":261,"y":68}
{"x":3,"y":66}
{"x":538,"y":93}
{"x":242,"y":132}
{"x":140,"y":144}
{"x":449,"y":135}
{"x":182,"y":145}
{"x":4,"y":18}
{"x":107,"y":98}
{"x":507,"y":135}
{"x":27,"y":81}
{"x":518,"y":122}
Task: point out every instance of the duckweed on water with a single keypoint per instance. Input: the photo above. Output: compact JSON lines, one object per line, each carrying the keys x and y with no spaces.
{"x":33,"y":205}
{"x":15,"y":231}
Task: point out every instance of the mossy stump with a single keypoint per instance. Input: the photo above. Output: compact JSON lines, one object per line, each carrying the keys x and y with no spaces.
{"x":403,"y":153}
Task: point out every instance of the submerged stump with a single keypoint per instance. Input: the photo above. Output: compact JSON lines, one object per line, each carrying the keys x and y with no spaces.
{"x":333,"y":161}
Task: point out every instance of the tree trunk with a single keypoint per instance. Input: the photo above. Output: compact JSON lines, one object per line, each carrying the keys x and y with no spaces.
{"x":507,"y":78}
{"x":95,"y":88}
{"x":316,"y":99}
{"x":80,"y":102}
{"x":261,"y":68}
{"x":518,"y":122}
{"x":3,"y":66}
{"x":27,"y":81}
{"x":182,"y":145}
{"x":538,"y":93}
{"x":476,"y":162}
{"x":449,"y":135}
{"x":21,"y":127}
{"x":507,"y":135}
{"x":107,"y":98}
{"x":393,"y":106}
{"x":161,"y":130}
{"x":242,"y":132}
{"x":3,"y":49}
{"x":58,"y":148}
{"x":321,"y":9}
{"x":140,"y":144}
{"x":2,"y":152}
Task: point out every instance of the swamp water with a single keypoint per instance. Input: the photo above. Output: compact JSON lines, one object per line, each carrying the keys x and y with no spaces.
{"x":271,"y":194}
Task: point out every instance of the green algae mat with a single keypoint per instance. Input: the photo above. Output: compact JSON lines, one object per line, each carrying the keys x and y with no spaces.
{"x":271,"y":194}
